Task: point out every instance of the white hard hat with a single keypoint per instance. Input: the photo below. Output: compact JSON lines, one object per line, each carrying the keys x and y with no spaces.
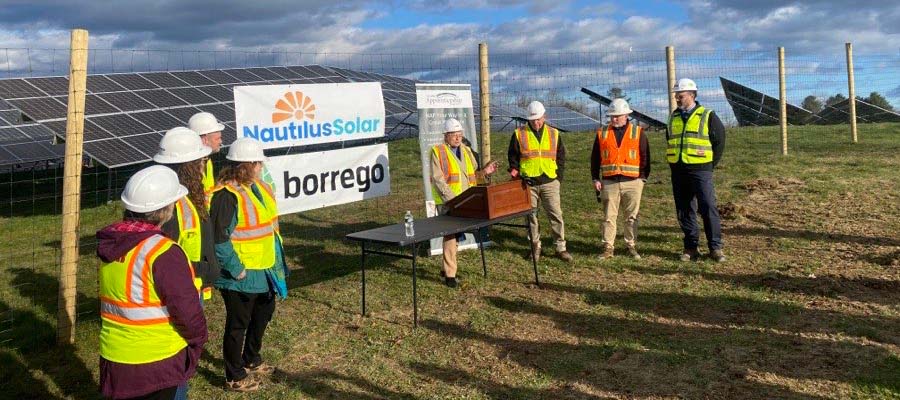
{"x":180,"y":145}
{"x":204,"y":122}
{"x":246,"y":150}
{"x":685,"y":84}
{"x":151,"y":189}
{"x":452,"y":125}
{"x":618,"y":107}
{"x":535,"y":110}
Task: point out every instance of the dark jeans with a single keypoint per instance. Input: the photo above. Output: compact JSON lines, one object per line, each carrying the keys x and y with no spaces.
{"x":694,"y":191}
{"x":162,"y":394}
{"x":246,"y":318}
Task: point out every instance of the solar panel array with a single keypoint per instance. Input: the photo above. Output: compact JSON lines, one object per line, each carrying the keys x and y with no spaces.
{"x":569,"y":120}
{"x":839,"y":113}
{"x":635,"y":114}
{"x":754,"y":108}
{"x":24,"y":142}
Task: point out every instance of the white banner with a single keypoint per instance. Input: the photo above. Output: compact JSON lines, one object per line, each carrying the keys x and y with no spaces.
{"x":314,"y":180}
{"x":300,"y":115}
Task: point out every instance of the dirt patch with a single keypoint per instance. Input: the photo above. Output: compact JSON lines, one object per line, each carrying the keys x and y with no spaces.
{"x":773,"y":184}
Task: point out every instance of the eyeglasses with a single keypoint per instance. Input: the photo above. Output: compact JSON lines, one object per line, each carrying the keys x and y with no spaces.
{"x":453,"y":135}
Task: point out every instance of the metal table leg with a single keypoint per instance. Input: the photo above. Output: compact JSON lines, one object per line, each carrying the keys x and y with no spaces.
{"x":533,"y":258}
{"x":480,"y":238}
{"x":415,"y":247}
{"x":363,"y":278}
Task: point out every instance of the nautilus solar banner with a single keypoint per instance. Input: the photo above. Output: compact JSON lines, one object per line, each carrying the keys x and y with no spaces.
{"x":300,"y":115}
{"x":309,"y":181}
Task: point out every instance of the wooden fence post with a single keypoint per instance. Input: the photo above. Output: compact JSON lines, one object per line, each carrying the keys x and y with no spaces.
{"x":65,"y":327}
{"x":484,"y":94}
{"x":851,"y":85}
{"x":670,"y":72}
{"x":783,"y":104}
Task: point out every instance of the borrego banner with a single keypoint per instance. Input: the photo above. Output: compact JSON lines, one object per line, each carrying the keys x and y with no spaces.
{"x":300,"y":115}
{"x":436,"y":103}
{"x":314,"y":180}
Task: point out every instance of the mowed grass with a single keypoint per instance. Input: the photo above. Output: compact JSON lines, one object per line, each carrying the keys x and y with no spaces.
{"x":805,"y":307}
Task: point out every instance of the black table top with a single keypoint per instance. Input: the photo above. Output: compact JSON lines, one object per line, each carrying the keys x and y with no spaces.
{"x":426,"y":229}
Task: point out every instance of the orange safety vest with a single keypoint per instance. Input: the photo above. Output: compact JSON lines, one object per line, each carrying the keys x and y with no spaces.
{"x":622,"y":160}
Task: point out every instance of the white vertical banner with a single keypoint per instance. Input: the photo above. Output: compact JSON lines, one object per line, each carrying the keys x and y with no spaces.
{"x":436,"y":103}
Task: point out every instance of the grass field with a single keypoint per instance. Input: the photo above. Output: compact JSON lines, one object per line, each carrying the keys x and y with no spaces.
{"x":806,"y":307}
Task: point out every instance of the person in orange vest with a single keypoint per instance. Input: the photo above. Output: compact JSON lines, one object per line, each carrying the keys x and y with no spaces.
{"x":620,"y":165}
{"x":152,"y":327}
{"x":244,"y":216}
{"x":536,"y":154}
{"x":182,"y":150}
{"x":454,"y":169}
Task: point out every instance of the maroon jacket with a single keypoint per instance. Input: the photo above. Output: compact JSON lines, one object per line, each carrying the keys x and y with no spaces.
{"x":176,"y":289}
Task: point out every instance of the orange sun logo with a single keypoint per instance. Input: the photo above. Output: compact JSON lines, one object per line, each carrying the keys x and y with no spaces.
{"x":294,"y":105}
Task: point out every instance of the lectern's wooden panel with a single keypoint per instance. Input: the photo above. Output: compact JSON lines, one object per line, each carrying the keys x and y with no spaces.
{"x":489,"y":202}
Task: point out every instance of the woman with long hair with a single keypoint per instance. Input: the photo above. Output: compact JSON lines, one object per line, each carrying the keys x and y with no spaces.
{"x":245,"y":225}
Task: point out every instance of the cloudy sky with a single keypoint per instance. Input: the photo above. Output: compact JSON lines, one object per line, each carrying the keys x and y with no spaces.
{"x":626,"y":34}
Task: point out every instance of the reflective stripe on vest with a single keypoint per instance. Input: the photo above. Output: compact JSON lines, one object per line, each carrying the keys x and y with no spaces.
{"x":450,"y":167}
{"x":688,"y":141}
{"x":253,"y":237}
{"x":537,"y":157}
{"x":189,"y":228}
{"x":136,"y":327}
{"x":209,"y":182}
{"x":621,"y":159}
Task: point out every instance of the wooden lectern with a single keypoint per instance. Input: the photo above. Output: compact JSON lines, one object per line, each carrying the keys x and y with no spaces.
{"x":492,"y":201}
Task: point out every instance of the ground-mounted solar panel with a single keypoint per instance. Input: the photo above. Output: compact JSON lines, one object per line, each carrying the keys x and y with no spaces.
{"x":31,"y":152}
{"x":36,"y":132}
{"x":132,"y":81}
{"x":102,"y":84}
{"x":636,"y":115}
{"x":12,"y":135}
{"x":285,"y":72}
{"x":220,"y":93}
{"x":569,"y":120}
{"x":94,"y":105}
{"x":146,"y":143}
{"x":193,"y":78}
{"x":265,"y":73}
{"x":17,"y":89}
{"x":183,"y":113}
{"x":126,"y":101}
{"x":114,"y":152}
{"x":754,"y":108}
{"x":243,"y":75}
{"x":222,"y":112}
{"x":158,"y":120}
{"x":219,"y":76}
{"x":120,"y":124}
{"x":40,"y":108}
{"x":839,"y":113}
{"x":91,"y":130}
{"x":7,"y":158}
{"x":320,"y":70}
{"x":164,"y":79}
{"x":10,"y":117}
{"x":161,"y":98}
{"x":301,"y":72}
{"x":192,"y":96}
{"x":54,"y":86}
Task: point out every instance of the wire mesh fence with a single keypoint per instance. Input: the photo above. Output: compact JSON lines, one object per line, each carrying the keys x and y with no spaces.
{"x":31,"y":194}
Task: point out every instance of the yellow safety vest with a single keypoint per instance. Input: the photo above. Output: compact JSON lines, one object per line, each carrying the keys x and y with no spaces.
{"x":253,"y":237}
{"x":450,"y":167}
{"x":189,"y":228}
{"x":209,"y":182}
{"x":136,"y":328}
{"x":537,"y":157}
{"x":689,"y":142}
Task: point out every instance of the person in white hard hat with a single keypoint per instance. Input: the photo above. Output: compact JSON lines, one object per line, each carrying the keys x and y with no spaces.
{"x":454,"y":168}
{"x":210,"y":130}
{"x":152,"y":326}
{"x":536,"y":154}
{"x":244,"y":215}
{"x":695,"y":143}
{"x":182,"y":150}
{"x":620,"y":165}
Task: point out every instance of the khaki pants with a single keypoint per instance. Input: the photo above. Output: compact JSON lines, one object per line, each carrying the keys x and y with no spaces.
{"x":450,"y":247}
{"x":548,"y":194}
{"x":626,"y":194}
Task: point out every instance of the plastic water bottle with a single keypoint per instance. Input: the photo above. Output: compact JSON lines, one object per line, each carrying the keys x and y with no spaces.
{"x":408,"y":219}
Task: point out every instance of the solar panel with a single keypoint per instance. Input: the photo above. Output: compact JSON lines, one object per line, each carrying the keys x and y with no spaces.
{"x":164,"y":79}
{"x":17,"y":89}
{"x":11,"y":134}
{"x":244,"y":75}
{"x":569,"y":120}
{"x":39,"y":108}
{"x":126,"y":101}
{"x":157,"y":120}
{"x":839,"y":113}
{"x":102,"y":84}
{"x":94,"y":105}
{"x":7,"y":158}
{"x":54,"y":86}
{"x":220,"y":93}
{"x":219,"y":76}
{"x":161,"y":98}
{"x":120,"y":124}
{"x":36,"y":132}
{"x":91,"y":130}
{"x":265,"y":74}
{"x":754,"y":108}
{"x":193,"y":78}
{"x":10,"y":117}
{"x":285,"y":72}
{"x":319,"y":70}
{"x":30,"y":152}
{"x":113,"y":152}
{"x":635,"y":115}
{"x":223,"y":113}
{"x":132,"y":81}
{"x":192,"y":95}
{"x":183,"y":113}
{"x":147,"y":144}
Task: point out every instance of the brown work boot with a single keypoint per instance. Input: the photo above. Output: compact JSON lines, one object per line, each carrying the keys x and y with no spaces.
{"x":633,"y":252}
{"x":248,"y":384}
{"x":717,"y":255}
{"x":262,"y":369}
{"x":565,"y":256}
{"x":690,"y":255}
{"x":607,"y":252}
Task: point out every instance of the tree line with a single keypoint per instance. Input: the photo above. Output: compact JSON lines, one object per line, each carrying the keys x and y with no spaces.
{"x":814,"y":104}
